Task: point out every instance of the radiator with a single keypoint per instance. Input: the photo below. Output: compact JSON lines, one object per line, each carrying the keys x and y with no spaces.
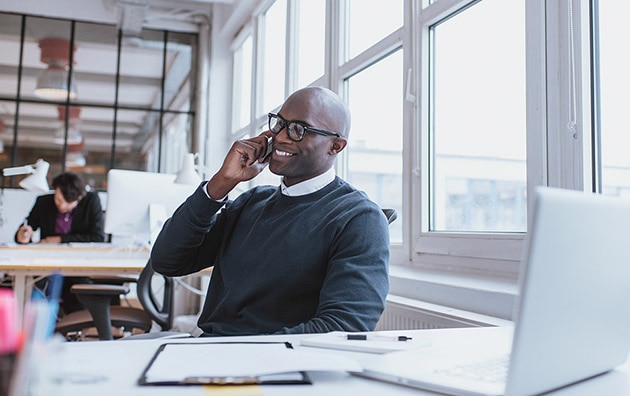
{"x":407,"y":314}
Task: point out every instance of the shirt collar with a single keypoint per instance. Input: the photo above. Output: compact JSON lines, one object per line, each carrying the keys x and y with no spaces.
{"x":310,"y":185}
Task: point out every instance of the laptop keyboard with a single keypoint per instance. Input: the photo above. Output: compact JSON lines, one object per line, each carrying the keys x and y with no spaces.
{"x":492,"y":370}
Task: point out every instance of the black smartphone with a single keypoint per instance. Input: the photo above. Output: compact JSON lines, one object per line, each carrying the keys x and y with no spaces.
{"x":268,"y":150}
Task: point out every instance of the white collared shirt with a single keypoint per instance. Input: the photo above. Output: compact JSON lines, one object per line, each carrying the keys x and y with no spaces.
{"x":310,"y":185}
{"x":302,"y":188}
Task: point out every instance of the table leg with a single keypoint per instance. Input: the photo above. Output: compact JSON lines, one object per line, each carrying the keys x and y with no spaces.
{"x":19,"y":288}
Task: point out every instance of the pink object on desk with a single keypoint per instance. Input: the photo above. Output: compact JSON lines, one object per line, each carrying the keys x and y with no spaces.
{"x":9,"y":330}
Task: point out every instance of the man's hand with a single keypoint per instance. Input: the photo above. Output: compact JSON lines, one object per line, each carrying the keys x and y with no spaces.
{"x":24,"y":234}
{"x":243,"y":162}
{"x":51,"y":239}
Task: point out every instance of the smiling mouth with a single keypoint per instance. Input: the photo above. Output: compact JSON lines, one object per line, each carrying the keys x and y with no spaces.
{"x":283,"y":153}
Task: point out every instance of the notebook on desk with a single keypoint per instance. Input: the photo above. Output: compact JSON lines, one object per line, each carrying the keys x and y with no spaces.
{"x":572,"y":320}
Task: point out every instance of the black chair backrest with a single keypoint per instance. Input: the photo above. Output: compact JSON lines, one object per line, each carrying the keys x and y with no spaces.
{"x":391,"y":215}
{"x":160,"y":311}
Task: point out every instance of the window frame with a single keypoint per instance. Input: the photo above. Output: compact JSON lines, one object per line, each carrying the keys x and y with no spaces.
{"x":554,"y":158}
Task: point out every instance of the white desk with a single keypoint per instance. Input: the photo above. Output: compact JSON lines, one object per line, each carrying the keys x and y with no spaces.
{"x":29,"y":263}
{"x":113,"y":367}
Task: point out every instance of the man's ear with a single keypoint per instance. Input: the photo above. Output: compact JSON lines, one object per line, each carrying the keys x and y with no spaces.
{"x":338,"y":145}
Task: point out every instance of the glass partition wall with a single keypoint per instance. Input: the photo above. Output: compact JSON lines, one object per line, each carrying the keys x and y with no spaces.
{"x":86,"y":98}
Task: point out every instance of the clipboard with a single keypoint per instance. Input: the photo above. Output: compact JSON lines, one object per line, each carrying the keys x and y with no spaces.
{"x":224,"y":363}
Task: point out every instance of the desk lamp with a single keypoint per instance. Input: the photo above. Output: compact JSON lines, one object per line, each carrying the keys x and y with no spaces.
{"x":36,"y":182}
{"x":187,"y":174}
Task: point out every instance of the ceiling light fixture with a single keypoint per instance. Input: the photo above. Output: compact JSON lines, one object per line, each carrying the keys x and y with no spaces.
{"x":53,"y":82}
{"x":74,"y":121}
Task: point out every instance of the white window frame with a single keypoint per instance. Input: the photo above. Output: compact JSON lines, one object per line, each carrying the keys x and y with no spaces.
{"x":554,"y":156}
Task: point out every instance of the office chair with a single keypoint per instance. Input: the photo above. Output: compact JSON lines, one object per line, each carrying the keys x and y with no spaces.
{"x":102,"y":315}
{"x":390,"y":214}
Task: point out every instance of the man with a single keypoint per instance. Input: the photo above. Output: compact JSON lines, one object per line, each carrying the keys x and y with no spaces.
{"x":309,"y":256}
{"x":71,"y":214}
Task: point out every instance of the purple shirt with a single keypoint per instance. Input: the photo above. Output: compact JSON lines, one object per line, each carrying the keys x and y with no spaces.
{"x":63,"y":223}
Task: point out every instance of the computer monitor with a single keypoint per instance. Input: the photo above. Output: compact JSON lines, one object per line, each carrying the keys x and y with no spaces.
{"x":138,"y":203}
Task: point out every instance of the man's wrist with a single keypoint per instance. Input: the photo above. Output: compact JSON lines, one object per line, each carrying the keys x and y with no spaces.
{"x":207,"y":192}
{"x":217,"y":188}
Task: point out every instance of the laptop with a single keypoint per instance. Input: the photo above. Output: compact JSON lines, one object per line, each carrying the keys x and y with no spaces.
{"x":572,"y":320}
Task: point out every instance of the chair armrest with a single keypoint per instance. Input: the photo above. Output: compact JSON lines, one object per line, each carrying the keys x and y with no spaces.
{"x":115,"y":280}
{"x":97,"y":299}
{"x":104,"y":290}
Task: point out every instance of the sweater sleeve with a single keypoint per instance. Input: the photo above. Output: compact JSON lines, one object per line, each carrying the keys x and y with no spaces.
{"x":357,"y":281}
{"x":34,"y":218}
{"x":190,"y":239}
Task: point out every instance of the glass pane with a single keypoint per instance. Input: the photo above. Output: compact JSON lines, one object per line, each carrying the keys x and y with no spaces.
{"x":47,"y":52}
{"x":7,"y":121}
{"x":176,"y":137}
{"x":95,"y":67}
{"x":369,"y":21}
{"x":615,"y":84}
{"x":92,"y":158}
{"x":242,"y":89}
{"x":478,"y":178}
{"x":136,"y":126}
{"x":35,"y":136}
{"x":375,"y":143}
{"x":179,"y":83}
{"x":10,"y":26}
{"x":274,"y":56}
{"x":141,"y":70}
{"x":311,"y":41}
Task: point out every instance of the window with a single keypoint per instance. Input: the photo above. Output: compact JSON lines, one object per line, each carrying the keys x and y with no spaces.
{"x":274,"y":56}
{"x":242,"y":84}
{"x":613,"y":92}
{"x":460,"y":108}
{"x":369,"y":21}
{"x":311,"y":33}
{"x":374,"y":151}
{"x":127,"y":93}
{"x":477,"y":123}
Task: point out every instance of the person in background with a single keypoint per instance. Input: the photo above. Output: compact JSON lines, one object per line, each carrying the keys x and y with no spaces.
{"x":70,"y":214}
{"x":308,"y":256}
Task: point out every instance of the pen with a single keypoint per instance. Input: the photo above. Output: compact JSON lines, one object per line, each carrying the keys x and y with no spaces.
{"x":364,"y":337}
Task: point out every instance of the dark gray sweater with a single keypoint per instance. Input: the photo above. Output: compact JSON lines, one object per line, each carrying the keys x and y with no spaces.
{"x":307,"y":264}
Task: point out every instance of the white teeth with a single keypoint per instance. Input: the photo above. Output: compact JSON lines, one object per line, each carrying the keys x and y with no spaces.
{"x":283,"y":153}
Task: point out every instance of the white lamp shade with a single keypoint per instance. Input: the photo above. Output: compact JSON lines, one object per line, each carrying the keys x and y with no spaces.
{"x":53,"y":84}
{"x":187,"y":174}
{"x":37,"y":182}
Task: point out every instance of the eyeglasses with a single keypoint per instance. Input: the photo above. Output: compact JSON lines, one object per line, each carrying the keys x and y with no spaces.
{"x":295,"y":129}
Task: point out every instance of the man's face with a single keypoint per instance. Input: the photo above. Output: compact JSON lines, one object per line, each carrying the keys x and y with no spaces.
{"x":299,"y":161}
{"x":62,"y":205}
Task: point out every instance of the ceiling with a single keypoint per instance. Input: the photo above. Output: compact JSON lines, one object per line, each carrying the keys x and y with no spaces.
{"x":95,"y":64}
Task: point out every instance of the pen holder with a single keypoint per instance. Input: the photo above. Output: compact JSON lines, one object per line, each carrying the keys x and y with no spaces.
{"x":7,"y":369}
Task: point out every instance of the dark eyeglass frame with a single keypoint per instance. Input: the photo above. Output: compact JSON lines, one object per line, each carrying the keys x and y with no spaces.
{"x":293,"y":130}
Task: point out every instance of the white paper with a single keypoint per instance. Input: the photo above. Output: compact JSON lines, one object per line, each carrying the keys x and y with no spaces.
{"x":176,"y":361}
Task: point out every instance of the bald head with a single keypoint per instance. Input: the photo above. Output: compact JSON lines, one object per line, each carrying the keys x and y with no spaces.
{"x":326,"y":109}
